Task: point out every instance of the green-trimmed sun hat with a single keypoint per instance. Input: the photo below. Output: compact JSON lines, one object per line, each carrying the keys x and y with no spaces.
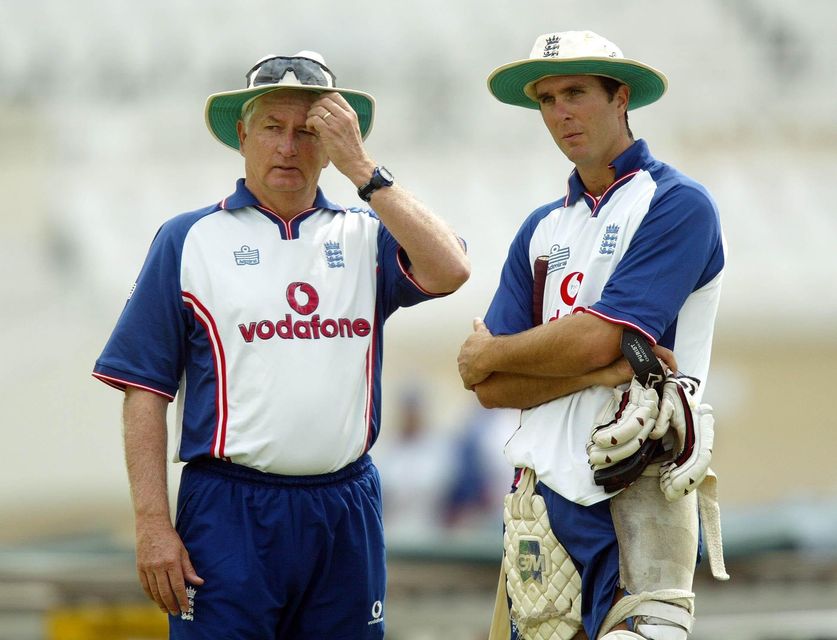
{"x":574,"y":53}
{"x":305,"y":70}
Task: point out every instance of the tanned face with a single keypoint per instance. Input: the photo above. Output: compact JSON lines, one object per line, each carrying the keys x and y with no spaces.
{"x":585,"y":122}
{"x":283,"y":159}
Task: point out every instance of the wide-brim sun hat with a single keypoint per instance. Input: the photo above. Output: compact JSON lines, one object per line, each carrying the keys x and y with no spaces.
{"x":305,"y":71}
{"x":574,"y":53}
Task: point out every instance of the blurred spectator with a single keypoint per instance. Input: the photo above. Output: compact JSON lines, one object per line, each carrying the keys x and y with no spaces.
{"x":416,"y":468}
{"x":481,"y":475}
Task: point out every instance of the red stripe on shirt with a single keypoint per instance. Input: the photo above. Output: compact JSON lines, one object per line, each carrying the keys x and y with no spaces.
{"x":623,"y":323}
{"x":118,"y":383}
{"x":205,"y":318}
{"x":370,"y":380}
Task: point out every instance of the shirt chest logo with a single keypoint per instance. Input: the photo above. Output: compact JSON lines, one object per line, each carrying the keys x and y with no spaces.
{"x":303,"y":324}
{"x":333,"y":255}
{"x":609,"y":240}
{"x":558,"y":257}
{"x":246,"y":256}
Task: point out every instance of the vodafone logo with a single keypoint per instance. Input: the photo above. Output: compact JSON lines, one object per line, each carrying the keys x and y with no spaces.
{"x":303,"y":299}
{"x":570,"y":286}
{"x":308,"y":292}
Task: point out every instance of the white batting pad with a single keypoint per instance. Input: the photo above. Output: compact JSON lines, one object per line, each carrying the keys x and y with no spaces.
{"x":541,"y":580}
{"x":657,"y":552}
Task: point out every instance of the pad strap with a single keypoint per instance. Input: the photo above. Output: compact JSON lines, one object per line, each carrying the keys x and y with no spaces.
{"x":673,"y":605}
{"x":710,"y":518}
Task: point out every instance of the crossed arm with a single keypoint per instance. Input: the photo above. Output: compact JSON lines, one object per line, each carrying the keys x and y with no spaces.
{"x":546,"y":362}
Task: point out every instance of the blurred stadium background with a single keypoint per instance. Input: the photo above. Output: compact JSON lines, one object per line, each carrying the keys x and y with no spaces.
{"x":103,"y":138}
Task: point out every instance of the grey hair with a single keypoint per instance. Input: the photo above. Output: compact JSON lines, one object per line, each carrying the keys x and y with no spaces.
{"x":247,"y":112}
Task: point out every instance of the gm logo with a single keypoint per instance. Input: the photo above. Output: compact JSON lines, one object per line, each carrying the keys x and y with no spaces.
{"x":531,"y":563}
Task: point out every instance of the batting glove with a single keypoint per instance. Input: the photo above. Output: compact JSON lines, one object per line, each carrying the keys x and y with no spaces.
{"x":623,"y":425}
{"x":694,"y":429}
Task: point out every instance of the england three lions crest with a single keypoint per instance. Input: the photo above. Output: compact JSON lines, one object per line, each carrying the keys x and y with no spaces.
{"x":609,"y":240}
{"x":333,"y":255}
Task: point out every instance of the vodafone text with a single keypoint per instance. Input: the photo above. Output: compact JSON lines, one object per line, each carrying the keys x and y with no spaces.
{"x":315,"y":328}
{"x":308,"y":329}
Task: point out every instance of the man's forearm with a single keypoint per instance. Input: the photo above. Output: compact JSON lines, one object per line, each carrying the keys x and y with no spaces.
{"x":437,"y":259}
{"x":144,"y":418}
{"x":163,"y":563}
{"x":517,"y":391}
{"x":567,"y":347}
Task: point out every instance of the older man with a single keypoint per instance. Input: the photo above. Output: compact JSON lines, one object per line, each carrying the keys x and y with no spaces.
{"x":632,"y":256}
{"x":263,"y":314}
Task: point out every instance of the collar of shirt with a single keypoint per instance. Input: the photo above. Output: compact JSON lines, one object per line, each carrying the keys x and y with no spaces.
{"x":242,"y":197}
{"x":630,"y":160}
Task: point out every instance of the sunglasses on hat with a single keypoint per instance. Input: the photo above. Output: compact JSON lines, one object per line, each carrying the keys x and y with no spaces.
{"x":306,"y":71}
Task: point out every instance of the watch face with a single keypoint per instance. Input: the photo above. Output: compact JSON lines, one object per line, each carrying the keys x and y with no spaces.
{"x":385,"y":174}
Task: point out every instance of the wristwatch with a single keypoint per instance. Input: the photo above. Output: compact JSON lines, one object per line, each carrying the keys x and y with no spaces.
{"x":381,"y":177}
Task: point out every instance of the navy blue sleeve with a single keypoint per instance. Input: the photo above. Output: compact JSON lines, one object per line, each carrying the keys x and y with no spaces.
{"x":147,"y":346}
{"x":677,"y":249}
{"x":511,"y":309}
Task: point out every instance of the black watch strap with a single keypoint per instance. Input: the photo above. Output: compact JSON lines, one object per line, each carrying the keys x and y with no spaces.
{"x":381,"y":177}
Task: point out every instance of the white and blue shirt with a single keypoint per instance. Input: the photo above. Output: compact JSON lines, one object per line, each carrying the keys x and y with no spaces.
{"x":269,"y":332}
{"x":647,"y":254}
